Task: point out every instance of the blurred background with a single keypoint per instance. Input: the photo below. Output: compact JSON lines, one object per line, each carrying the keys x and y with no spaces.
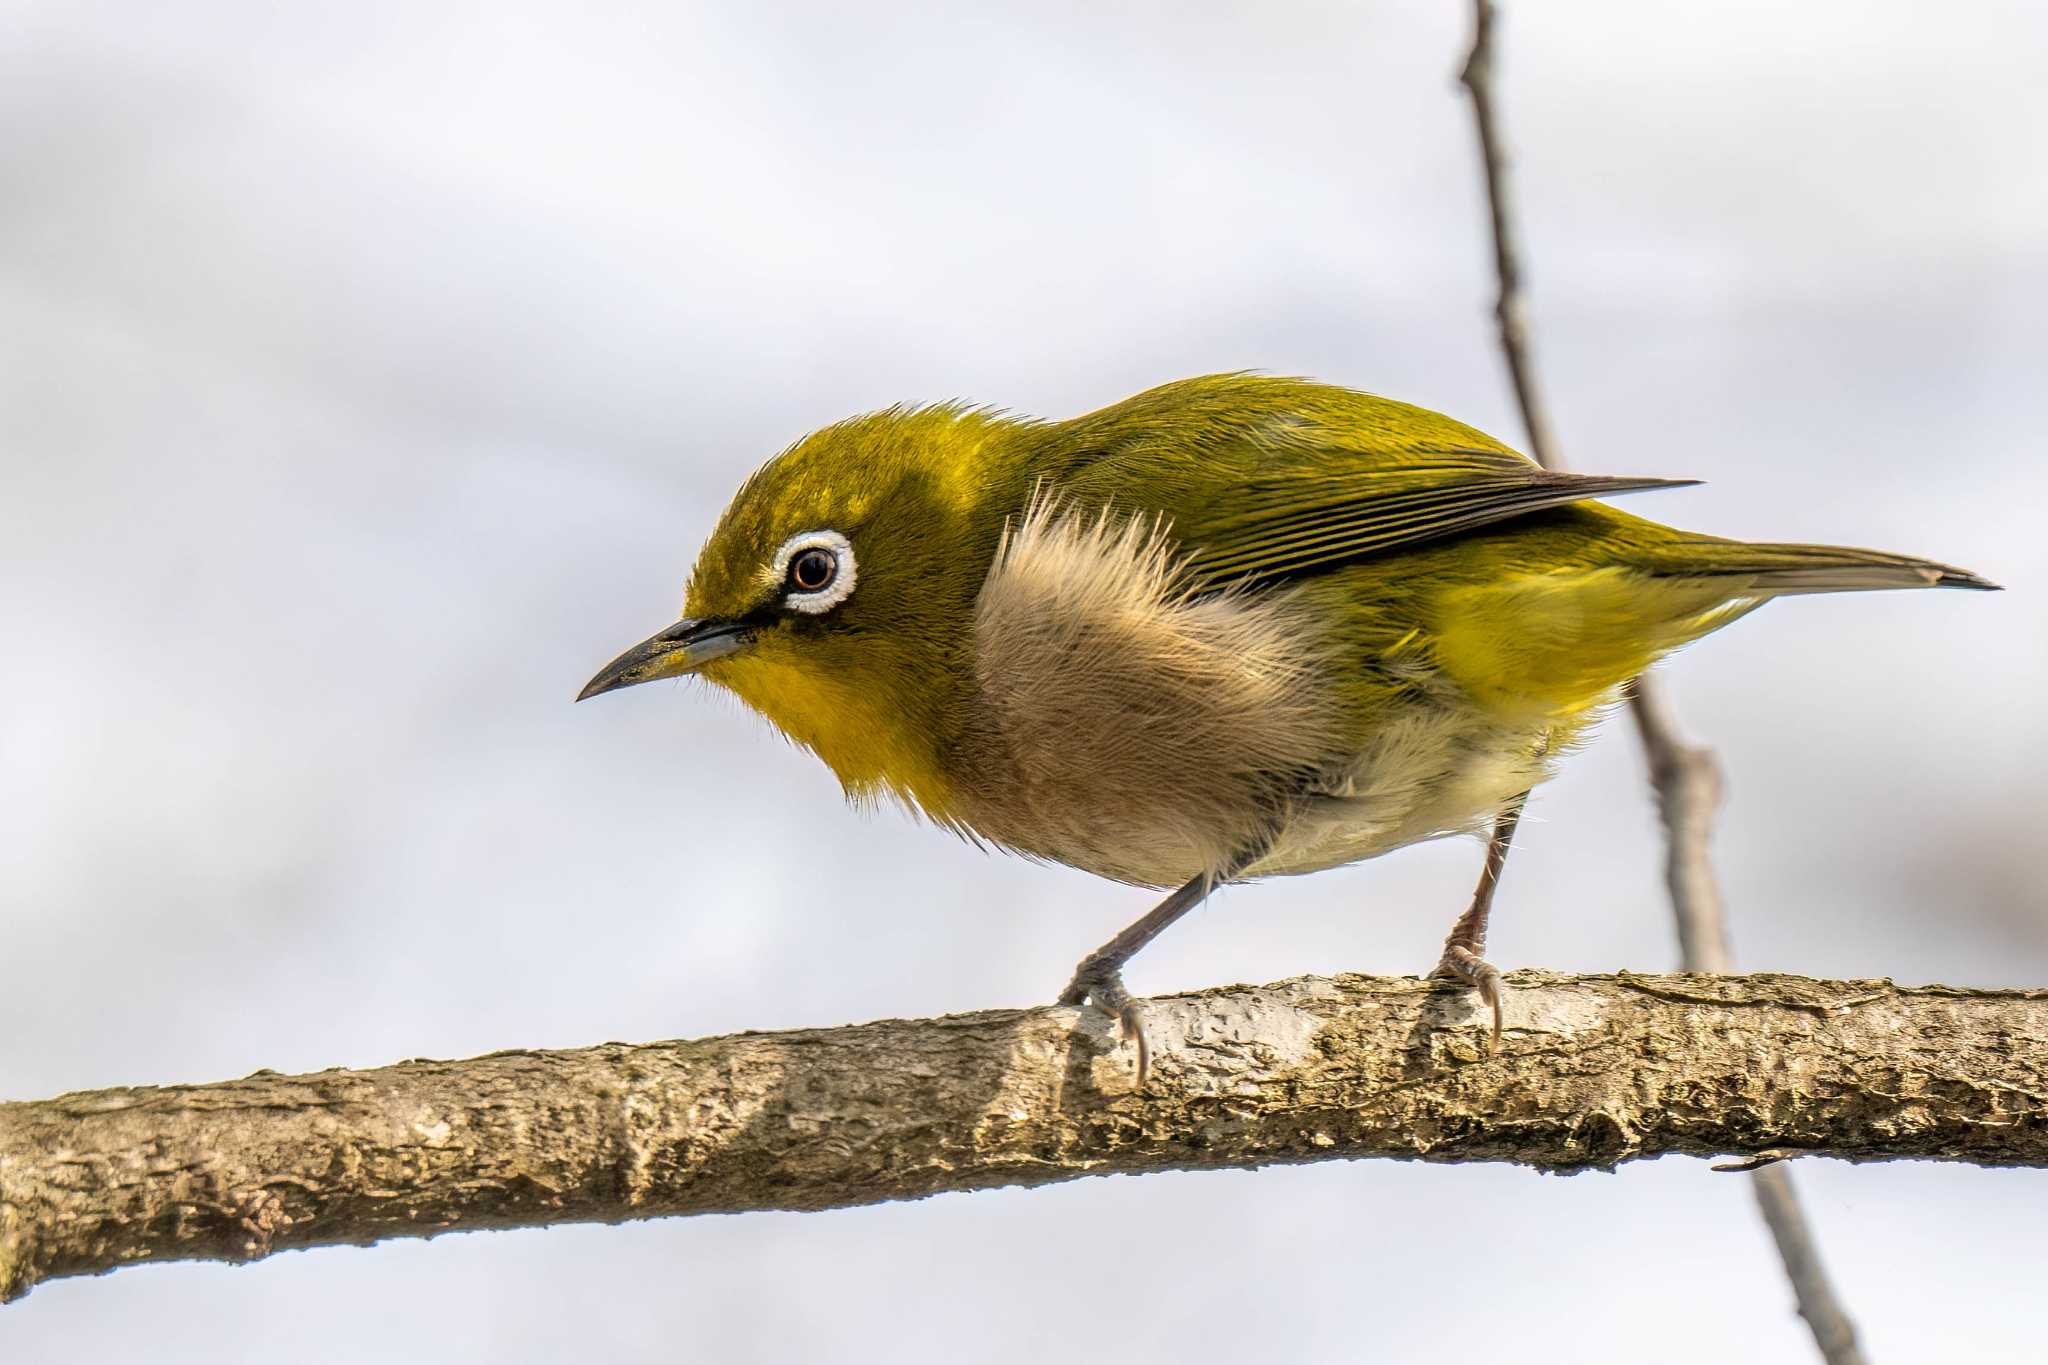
{"x":369,"y":374}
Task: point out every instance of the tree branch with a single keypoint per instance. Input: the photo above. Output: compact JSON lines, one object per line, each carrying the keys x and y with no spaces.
{"x":1687,"y":781}
{"x":1686,"y":777}
{"x":1508,"y":309}
{"x":1595,"y":1071}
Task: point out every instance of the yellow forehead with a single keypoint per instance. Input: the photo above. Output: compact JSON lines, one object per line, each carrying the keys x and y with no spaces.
{"x":836,"y":479}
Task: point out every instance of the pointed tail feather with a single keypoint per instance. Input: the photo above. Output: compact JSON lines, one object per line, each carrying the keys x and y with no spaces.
{"x":1790,"y":570}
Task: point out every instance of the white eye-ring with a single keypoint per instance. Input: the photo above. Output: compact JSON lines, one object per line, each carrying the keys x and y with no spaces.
{"x":816,"y":569}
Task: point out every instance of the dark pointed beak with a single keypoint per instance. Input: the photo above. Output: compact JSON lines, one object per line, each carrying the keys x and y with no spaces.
{"x":683,"y":648}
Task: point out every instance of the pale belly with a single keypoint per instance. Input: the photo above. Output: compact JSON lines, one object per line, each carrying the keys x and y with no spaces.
{"x":1123,"y":727}
{"x":1153,"y":820}
{"x":1441,"y":778}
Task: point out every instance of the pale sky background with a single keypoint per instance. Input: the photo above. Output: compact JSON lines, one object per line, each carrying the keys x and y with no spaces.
{"x":370,"y":373}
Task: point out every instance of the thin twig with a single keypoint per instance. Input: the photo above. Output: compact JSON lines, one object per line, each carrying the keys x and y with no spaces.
{"x":1508,"y":308}
{"x":1833,"y":1330}
{"x":1685,"y":777}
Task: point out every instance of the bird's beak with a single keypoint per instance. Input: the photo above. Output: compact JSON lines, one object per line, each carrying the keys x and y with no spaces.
{"x":683,"y":648}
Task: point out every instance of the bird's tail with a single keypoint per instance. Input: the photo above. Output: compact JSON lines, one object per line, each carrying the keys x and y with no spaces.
{"x":1766,"y":570}
{"x":1556,"y":643}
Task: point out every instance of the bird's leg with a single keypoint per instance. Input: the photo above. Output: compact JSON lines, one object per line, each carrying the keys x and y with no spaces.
{"x":1463,"y":958}
{"x":1100,"y":977}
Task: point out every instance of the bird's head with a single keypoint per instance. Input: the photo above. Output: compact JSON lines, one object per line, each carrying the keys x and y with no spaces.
{"x":836,"y":594}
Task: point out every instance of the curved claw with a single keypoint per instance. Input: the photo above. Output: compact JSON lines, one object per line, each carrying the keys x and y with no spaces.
{"x":1105,"y":990}
{"x":1133,"y":1028}
{"x":1489,"y":991}
{"x":1462,"y":964}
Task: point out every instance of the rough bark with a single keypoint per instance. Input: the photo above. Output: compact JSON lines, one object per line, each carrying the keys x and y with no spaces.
{"x":1594,"y":1071}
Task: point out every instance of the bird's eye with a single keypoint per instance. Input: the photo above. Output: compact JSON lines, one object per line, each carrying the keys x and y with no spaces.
{"x":813,"y":570}
{"x":816,"y":569}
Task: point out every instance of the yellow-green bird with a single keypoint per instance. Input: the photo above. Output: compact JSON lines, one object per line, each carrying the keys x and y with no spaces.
{"x":1233,"y":627}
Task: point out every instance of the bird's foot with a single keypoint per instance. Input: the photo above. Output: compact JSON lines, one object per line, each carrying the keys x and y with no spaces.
{"x":1460,"y":963}
{"x":1103,"y":986}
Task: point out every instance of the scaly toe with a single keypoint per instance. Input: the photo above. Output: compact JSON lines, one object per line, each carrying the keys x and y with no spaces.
{"x":1105,"y":990}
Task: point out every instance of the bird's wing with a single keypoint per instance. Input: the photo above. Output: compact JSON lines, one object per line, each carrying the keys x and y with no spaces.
{"x":1260,"y":479}
{"x":1285,"y":522}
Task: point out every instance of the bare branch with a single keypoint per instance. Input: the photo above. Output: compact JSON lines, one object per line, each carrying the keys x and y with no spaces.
{"x":1594,"y":1071}
{"x":1833,"y":1331}
{"x":1507,"y":247}
{"x":1686,"y":777}
{"x":1687,"y":781}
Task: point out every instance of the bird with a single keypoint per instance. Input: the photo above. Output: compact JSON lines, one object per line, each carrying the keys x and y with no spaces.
{"x":1233,"y":627}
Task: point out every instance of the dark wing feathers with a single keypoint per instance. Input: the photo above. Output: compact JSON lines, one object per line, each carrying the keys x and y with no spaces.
{"x":1277,"y":527}
{"x":1262,"y":479}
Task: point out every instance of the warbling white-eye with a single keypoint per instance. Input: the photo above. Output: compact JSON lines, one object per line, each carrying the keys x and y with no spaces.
{"x":1233,"y":627}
